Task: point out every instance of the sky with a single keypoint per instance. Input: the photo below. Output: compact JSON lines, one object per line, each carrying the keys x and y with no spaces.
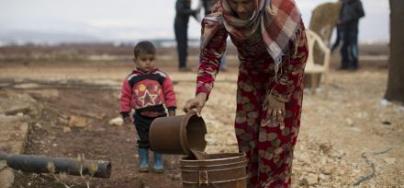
{"x":122,"y":20}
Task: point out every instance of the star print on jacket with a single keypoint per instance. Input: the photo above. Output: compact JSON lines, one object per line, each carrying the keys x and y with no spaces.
{"x":150,"y":94}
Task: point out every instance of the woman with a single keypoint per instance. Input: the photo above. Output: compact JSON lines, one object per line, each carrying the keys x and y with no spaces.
{"x":271,"y":43}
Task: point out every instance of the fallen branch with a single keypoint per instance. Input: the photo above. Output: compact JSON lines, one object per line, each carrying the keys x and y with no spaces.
{"x":372,"y":166}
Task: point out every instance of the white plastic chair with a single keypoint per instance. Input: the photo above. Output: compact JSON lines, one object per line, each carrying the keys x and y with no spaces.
{"x":313,"y":67}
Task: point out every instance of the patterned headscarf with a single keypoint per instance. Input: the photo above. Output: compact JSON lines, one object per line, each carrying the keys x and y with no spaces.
{"x":278,"y":21}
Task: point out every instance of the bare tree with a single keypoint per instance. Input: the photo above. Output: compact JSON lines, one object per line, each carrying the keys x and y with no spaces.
{"x":395,"y":85}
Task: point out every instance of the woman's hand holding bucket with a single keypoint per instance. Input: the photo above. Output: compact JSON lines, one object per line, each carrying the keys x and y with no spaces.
{"x":196,"y":104}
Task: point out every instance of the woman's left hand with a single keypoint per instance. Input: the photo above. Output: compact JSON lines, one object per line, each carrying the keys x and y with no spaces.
{"x":275,"y":109}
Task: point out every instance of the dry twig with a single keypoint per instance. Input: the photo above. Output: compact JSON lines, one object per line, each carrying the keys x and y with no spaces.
{"x":372,"y":166}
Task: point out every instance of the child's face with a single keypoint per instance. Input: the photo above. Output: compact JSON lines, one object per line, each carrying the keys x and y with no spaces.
{"x":145,"y":62}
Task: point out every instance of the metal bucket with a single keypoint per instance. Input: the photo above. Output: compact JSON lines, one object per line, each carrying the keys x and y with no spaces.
{"x":178,"y":134}
{"x":226,"y":170}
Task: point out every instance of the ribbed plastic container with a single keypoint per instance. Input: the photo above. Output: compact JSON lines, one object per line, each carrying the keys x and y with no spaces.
{"x":226,"y":170}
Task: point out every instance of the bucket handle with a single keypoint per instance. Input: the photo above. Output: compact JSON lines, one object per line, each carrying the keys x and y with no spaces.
{"x":203,"y":177}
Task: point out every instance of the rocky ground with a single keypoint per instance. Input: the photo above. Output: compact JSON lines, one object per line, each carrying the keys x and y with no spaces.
{"x":349,"y":136}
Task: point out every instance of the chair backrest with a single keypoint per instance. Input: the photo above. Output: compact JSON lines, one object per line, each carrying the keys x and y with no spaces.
{"x":312,"y":40}
{"x":324,"y":19}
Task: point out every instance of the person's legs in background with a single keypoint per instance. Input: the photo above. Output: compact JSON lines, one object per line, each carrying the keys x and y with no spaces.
{"x":337,"y":39}
{"x":345,"y":49}
{"x":182,"y":45}
{"x":354,"y":51}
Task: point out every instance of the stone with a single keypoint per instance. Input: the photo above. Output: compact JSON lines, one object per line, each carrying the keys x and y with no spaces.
{"x":78,"y":121}
{"x":47,"y":93}
{"x":175,"y":177}
{"x":3,"y":164}
{"x":325,"y":147}
{"x":327,"y":169}
{"x":63,"y":120}
{"x":340,"y":171}
{"x":312,"y":179}
{"x":38,"y":125}
{"x":6,"y":178}
{"x":304,"y":183}
{"x":118,"y":121}
{"x":390,"y":160}
{"x":323,"y":177}
{"x":303,"y":157}
{"x":27,"y":86}
{"x":336,"y":154}
{"x":17,"y":109}
{"x":350,"y":122}
{"x":67,"y":129}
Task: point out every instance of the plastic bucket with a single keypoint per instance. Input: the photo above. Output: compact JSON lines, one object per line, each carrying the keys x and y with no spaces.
{"x":178,"y":134}
{"x":226,"y":170}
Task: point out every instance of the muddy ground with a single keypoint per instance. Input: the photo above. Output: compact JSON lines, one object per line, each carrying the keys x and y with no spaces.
{"x":348,"y":137}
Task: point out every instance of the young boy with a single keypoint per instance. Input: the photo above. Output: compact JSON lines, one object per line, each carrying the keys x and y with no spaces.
{"x":150,"y":93}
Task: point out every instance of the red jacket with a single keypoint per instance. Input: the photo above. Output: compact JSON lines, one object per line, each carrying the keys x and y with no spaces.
{"x":149,"y":93}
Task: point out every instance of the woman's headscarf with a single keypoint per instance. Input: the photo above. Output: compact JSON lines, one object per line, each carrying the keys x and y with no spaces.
{"x":278,"y":21}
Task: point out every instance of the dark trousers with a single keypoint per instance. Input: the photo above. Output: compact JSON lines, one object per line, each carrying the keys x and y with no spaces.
{"x":142,"y":125}
{"x":181,"y":36}
{"x":349,"y":49}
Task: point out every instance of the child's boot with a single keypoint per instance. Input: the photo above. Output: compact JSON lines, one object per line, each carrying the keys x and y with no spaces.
{"x":143,"y":160}
{"x":158,"y":163}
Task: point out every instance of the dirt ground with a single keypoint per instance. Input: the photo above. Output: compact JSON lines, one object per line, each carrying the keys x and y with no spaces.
{"x":348,"y":137}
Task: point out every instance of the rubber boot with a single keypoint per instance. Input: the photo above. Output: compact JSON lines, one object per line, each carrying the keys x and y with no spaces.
{"x":143,"y":160}
{"x":158,"y":166}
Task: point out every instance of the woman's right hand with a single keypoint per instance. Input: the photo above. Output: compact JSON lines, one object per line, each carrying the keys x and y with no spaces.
{"x":196,"y":104}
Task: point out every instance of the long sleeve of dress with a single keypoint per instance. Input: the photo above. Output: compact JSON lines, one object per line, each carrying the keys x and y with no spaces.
{"x":210,"y":59}
{"x":292,"y":70}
